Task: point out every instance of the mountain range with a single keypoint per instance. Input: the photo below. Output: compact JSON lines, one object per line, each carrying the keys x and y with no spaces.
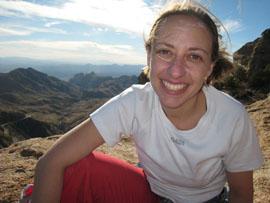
{"x":65,"y":71}
{"x":34,"y":104}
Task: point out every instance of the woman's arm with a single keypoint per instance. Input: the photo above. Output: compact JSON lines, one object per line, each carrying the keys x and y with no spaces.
{"x":71,"y":147}
{"x":241,"y":186}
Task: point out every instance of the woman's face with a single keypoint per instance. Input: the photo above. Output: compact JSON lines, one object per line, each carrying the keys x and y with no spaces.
{"x":180,"y":60}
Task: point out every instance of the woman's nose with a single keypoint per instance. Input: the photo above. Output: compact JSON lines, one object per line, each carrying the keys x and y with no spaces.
{"x":177,"y":68}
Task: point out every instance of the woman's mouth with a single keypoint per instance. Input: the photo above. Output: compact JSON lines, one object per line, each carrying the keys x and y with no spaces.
{"x":173,"y":87}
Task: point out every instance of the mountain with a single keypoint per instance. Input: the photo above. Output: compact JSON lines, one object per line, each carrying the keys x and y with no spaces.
{"x":26,"y":88}
{"x":249,"y":81}
{"x":34,"y":82}
{"x":255,"y":55}
{"x":31,"y":104}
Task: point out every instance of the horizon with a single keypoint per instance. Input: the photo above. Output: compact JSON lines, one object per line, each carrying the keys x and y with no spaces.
{"x":107,"y":31}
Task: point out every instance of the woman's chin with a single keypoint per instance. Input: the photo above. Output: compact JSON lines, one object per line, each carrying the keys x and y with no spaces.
{"x":171,"y":104}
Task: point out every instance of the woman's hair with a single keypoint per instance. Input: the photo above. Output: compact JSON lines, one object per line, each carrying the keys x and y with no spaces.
{"x":190,"y":8}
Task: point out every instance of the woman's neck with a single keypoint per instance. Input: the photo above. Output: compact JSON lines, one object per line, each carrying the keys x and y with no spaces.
{"x":188,"y":115}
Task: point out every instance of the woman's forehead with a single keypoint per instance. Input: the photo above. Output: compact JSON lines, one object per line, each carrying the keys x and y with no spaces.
{"x":180,"y":23}
{"x":182,"y":27}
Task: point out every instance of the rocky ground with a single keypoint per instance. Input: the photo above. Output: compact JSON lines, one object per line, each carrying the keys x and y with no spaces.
{"x":260,"y":114}
{"x":17,"y":162}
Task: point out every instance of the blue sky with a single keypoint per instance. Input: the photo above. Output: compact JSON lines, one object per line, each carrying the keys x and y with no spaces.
{"x":108,"y":31}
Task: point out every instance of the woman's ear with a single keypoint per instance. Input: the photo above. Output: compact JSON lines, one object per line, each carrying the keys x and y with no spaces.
{"x":209,"y":72}
{"x":148,"y":52}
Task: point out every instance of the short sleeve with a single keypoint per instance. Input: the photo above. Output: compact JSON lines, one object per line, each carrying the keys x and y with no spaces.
{"x":115,"y":117}
{"x":244,"y":153}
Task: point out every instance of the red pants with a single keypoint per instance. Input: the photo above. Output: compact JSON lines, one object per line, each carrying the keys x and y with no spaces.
{"x":101,"y":178}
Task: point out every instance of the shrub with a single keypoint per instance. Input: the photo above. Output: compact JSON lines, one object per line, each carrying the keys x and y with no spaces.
{"x":260,"y":80}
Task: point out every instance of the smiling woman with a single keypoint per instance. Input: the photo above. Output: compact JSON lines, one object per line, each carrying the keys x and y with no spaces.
{"x":180,"y":61}
{"x":190,"y":137}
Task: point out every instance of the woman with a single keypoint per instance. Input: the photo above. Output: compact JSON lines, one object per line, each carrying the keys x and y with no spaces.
{"x":190,"y":137}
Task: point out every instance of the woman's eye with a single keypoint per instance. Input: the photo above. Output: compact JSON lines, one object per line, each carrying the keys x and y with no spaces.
{"x":195,"y":58}
{"x":165,"y":54}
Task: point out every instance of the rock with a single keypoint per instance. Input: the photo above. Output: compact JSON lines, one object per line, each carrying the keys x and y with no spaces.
{"x":30,"y":152}
{"x":255,"y":55}
{"x":242,"y":56}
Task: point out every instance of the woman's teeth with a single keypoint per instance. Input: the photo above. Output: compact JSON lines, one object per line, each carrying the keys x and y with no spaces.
{"x":173,"y":87}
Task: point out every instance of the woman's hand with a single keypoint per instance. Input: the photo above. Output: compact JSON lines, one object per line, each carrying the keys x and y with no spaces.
{"x":71,"y":147}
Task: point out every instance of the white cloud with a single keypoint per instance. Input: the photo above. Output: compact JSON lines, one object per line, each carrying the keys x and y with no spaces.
{"x":6,"y":30}
{"x":27,"y":9}
{"x":51,"y":24}
{"x":229,"y":28}
{"x":233,"y":25}
{"x":5,"y":12}
{"x":47,"y":30}
{"x":104,"y":15}
{"x":95,"y":31}
{"x":124,"y":15}
{"x":72,"y":51}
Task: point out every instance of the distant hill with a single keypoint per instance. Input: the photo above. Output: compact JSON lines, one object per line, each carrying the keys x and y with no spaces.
{"x":65,"y":71}
{"x":33,"y":104}
{"x":102,"y":86}
{"x":34,"y":82}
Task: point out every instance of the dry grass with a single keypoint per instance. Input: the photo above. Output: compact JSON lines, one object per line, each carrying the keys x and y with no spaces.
{"x":260,"y":114}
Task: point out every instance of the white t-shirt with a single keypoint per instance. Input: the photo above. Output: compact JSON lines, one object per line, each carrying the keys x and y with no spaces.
{"x":186,"y":166}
